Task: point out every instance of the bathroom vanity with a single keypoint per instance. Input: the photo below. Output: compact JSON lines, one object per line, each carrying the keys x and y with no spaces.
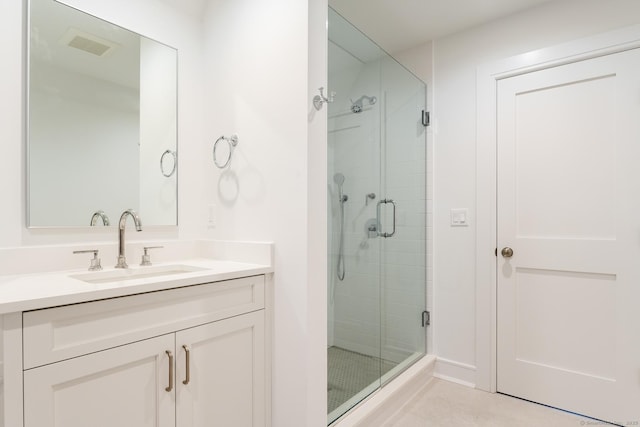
{"x":171,"y":345}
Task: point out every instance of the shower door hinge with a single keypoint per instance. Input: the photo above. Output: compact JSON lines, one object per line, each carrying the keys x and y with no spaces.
{"x":426,"y":318}
{"x":426,"y":118}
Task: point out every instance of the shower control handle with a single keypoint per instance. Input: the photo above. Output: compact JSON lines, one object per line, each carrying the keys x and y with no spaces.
{"x":372,"y":231}
{"x":386,"y":201}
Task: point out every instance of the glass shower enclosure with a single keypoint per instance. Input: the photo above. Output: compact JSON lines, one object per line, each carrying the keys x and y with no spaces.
{"x":377,"y":218}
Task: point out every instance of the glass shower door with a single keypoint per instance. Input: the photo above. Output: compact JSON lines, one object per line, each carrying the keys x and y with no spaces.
{"x":376,"y":218}
{"x":354,"y":362}
{"x":403,"y":184}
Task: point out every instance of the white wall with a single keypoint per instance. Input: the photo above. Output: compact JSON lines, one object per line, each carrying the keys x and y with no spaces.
{"x":456,"y":59}
{"x":12,"y":130}
{"x":257,"y":67}
{"x":317,"y":220}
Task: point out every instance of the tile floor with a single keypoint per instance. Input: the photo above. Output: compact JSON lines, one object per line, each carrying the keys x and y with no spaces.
{"x":443,"y":403}
{"x":349,"y":373}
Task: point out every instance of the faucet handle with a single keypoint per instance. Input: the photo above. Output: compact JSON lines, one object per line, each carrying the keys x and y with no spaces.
{"x":146,"y":258}
{"x":95,"y":261}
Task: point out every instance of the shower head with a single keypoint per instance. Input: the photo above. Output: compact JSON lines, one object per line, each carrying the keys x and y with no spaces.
{"x":356,"y":106}
{"x":338,"y":178}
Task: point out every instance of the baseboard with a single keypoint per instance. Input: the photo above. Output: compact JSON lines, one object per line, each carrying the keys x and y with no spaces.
{"x":460,"y":373}
{"x":383,"y":404}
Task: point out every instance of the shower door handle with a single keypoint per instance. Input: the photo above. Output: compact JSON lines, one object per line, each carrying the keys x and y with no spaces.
{"x":386,"y":201}
{"x":394,"y":219}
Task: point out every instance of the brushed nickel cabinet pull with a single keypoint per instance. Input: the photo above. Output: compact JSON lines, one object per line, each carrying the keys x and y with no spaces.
{"x":187,"y":363}
{"x":170,"y":387}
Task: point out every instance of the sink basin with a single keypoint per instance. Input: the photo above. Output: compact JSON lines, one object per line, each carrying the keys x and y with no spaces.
{"x":120,"y":275}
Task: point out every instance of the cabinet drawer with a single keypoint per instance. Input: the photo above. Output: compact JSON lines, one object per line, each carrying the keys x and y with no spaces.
{"x":59,"y":333}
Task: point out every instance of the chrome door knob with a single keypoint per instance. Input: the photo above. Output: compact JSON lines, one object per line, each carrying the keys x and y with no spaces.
{"x":507,"y":252}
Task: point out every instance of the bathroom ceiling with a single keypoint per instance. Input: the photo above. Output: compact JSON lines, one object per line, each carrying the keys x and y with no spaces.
{"x":397,"y":25}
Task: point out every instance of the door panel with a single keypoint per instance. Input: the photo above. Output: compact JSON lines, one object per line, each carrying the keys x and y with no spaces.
{"x":403,"y":254}
{"x":226,"y":380}
{"x":555,"y":125}
{"x":552,"y":332}
{"x":569,"y":206}
{"x":123,"y":386}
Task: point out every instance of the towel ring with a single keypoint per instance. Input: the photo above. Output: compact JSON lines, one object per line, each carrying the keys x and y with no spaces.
{"x":232,"y":141}
{"x":175,"y":163}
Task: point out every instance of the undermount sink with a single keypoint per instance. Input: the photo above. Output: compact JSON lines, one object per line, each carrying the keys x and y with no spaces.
{"x":120,"y":275}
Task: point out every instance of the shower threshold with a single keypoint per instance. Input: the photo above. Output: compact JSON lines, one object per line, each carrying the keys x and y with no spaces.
{"x":353,"y":376}
{"x":376,"y":409}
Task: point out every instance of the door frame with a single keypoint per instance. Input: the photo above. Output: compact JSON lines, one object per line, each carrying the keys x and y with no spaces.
{"x":488,"y":76}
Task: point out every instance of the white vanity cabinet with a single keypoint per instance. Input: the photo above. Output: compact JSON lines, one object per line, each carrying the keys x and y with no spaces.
{"x":184,"y":357}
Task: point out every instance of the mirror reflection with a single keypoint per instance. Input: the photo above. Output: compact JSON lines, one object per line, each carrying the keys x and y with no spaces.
{"x":102,"y":121}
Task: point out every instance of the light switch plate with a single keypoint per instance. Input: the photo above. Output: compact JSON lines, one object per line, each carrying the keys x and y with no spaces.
{"x":459,"y":217}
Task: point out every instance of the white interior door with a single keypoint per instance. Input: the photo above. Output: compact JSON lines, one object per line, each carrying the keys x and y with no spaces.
{"x":569,"y":208}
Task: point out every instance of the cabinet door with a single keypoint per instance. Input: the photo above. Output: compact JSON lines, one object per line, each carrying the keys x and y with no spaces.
{"x":123,"y":386}
{"x":226,"y":384}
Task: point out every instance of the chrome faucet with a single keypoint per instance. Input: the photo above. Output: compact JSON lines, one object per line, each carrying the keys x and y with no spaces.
{"x":122,"y":261}
{"x":99,"y":214}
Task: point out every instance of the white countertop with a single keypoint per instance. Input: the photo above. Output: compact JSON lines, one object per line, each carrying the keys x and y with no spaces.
{"x":22,"y":292}
{"x":29,"y":292}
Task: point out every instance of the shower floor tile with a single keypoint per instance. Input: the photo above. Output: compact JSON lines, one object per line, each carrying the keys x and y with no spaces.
{"x":350,"y":372}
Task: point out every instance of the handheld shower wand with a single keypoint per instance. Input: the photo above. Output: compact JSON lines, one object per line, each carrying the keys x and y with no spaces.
{"x":339,"y":180}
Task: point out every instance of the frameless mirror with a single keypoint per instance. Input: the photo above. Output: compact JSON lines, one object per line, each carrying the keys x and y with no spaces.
{"x":102,"y":121}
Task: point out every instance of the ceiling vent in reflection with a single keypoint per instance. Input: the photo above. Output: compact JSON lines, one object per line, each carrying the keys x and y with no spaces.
{"x":88,"y":42}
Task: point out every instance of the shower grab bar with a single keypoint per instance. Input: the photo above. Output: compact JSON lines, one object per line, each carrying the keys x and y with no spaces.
{"x":386,"y":201}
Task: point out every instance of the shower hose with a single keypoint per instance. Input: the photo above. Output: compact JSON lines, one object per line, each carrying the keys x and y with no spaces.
{"x":340,"y":270}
